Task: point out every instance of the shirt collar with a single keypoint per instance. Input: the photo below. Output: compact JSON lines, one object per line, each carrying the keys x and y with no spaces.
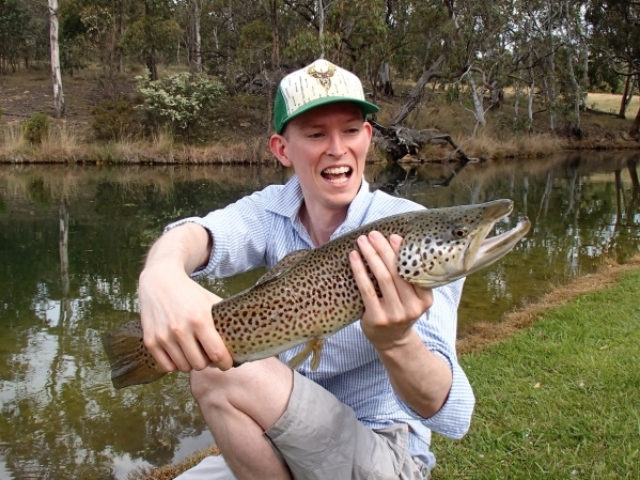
{"x":289,"y":200}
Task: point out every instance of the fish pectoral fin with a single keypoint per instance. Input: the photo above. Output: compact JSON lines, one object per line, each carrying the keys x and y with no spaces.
{"x":312,"y":347}
{"x":318,"y":344}
{"x":131,"y":362}
{"x":283,"y":266}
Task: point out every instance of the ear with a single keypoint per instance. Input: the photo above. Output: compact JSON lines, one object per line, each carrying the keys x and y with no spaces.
{"x":369,"y":129}
{"x":278,"y":146}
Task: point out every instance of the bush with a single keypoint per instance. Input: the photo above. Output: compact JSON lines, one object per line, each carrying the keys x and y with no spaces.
{"x":183,"y":103}
{"x":36,"y":128}
{"x":115,"y":119}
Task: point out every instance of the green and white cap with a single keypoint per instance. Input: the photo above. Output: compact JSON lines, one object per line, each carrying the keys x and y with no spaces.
{"x":317,"y":84}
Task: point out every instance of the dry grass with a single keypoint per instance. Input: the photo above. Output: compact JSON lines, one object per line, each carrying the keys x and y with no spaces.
{"x":61,"y":144}
{"x":610,"y":103}
{"x":12,"y":140}
{"x":169,"y":472}
{"x":484,"y":334}
{"x":242,"y":135}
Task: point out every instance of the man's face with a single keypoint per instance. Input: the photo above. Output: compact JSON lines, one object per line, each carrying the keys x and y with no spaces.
{"x":327,"y":147}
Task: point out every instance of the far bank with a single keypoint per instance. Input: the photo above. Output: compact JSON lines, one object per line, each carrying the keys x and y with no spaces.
{"x":97,"y":130}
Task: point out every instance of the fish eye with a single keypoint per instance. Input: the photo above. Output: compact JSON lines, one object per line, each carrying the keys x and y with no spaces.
{"x":460,"y":232}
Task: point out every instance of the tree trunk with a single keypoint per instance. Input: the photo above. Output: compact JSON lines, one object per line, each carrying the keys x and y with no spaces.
{"x":530,"y":103}
{"x":416,"y":92}
{"x":623,"y":111}
{"x":150,"y":60}
{"x":477,"y":102}
{"x":384,"y":78}
{"x":275,"y":52}
{"x":634,"y":131}
{"x":120,"y":36}
{"x":56,"y":76}
{"x":516,"y":101}
{"x":576,"y":88}
{"x":195,"y":52}
{"x":320,"y":13}
{"x":551,"y":78}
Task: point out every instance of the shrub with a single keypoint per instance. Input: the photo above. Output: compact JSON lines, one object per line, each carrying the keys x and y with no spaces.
{"x":115,"y":119}
{"x":36,"y":128}
{"x":185,"y":104}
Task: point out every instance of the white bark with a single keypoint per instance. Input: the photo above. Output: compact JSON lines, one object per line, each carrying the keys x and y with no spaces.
{"x":477,"y":102}
{"x":56,"y":75}
{"x":576,"y":89}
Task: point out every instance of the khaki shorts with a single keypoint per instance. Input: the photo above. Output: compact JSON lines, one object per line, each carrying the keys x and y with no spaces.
{"x":320,"y":438}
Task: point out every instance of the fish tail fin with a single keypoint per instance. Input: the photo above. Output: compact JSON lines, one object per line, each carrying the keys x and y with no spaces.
{"x":131,"y":362}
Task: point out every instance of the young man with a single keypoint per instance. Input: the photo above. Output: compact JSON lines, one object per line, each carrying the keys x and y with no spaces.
{"x":383,"y":383}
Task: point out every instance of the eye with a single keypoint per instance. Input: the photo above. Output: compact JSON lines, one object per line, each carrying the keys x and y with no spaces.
{"x":460,"y":232}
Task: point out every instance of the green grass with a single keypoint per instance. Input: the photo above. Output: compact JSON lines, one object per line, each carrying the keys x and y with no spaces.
{"x":560,"y":400}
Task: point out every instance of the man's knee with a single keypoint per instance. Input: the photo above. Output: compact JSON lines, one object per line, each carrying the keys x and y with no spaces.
{"x":207,"y":384}
{"x":264,"y":384}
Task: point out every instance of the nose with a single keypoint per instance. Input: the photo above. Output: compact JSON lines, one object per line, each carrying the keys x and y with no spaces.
{"x":336,"y":147}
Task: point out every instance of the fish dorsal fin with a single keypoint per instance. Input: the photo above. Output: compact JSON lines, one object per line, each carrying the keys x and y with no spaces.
{"x":284,"y":265}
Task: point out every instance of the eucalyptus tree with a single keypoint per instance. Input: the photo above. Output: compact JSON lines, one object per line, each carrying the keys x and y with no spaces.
{"x":429,"y":37}
{"x":194,"y":38}
{"x":575,"y":48}
{"x":616,"y":35}
{"x":56,"y":75}
{"x":92,"y":31}
{"x":24,"y":33}
{"x":153,"y":34}
{"x":17,"y":32}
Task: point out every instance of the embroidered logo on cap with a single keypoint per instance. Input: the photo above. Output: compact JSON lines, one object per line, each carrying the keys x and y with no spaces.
{"x":323,"y":77}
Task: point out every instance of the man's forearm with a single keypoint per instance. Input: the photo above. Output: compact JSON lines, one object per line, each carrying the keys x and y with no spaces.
{"x":419,"y":377}
{"x":187,"y":246}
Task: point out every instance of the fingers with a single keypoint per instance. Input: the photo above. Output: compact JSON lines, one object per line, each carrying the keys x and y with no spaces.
{"x":401,"y":301}
{"x":178,"y":327}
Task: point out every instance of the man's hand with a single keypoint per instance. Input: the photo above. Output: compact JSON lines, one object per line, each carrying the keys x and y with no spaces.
{"x":421,"y":378}
{"x":387,"y":321}
{"x":176,"y":311}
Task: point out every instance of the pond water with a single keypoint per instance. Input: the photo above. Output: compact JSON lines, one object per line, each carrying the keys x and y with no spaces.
{"x":72,"y":241}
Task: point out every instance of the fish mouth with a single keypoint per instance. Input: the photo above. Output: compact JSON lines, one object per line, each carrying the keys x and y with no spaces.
{"x":484,"y":250}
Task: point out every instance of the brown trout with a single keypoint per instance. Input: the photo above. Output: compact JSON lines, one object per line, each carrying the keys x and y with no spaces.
{"x":311,"y":294}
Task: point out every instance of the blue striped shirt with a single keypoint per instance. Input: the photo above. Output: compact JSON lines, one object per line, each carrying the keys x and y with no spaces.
{"x":262,"y":228}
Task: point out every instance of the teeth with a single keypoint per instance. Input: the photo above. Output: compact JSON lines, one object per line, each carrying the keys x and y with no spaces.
{"x":336,"y":170}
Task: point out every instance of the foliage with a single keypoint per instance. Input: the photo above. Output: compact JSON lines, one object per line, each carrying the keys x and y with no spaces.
{"x":114,"y":120}
{"x":560,"y":50}
{"x":153,"y":35}
{"x":36,"y":128}
{"x":183,"y":103}
{"x":18,"y":29}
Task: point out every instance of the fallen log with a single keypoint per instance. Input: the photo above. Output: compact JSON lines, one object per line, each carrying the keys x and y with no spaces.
{"x":397,"y":141}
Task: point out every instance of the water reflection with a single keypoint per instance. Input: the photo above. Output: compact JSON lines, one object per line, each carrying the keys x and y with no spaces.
{"x":71,"y":245}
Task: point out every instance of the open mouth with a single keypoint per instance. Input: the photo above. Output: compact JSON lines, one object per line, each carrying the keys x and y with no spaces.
{"x":337,"y":175}
{"x":489,"y":249}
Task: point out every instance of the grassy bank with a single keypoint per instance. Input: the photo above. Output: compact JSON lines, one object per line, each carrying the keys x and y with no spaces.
{"x":559,"y":399}
{"x":242,"y":129}
{"x":557,"y":387}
